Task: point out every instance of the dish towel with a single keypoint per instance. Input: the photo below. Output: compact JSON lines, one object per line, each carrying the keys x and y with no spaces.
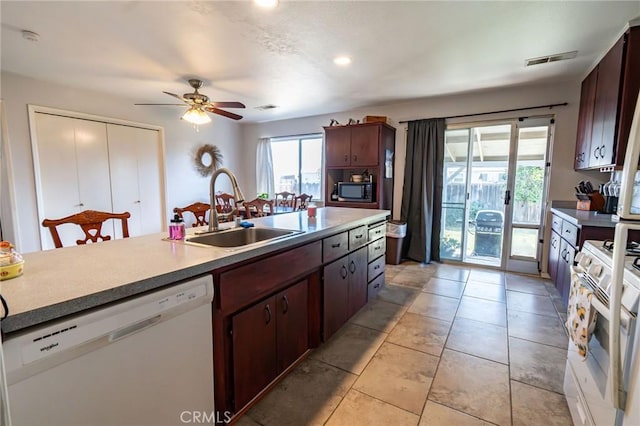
{"x":581,"y":316}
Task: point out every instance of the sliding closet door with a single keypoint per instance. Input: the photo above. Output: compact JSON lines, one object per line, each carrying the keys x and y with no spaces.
{"x":135,"y":158}
{"x":71,"y":163}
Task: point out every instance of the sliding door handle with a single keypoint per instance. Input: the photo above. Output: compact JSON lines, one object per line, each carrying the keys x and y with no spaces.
{"x":507,"y":197}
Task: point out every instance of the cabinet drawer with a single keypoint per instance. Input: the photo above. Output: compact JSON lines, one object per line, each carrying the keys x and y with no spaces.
{"x":358,"y":237}
{"x":570,"y":233}
{"x":377,"y":248}
{"x":556,"y":224}
{"x":374,"y":287}
{"x":335,"y":247}
{"x":377,"y":232}
{"x":376,"y":268}
{"x":248,"y":283}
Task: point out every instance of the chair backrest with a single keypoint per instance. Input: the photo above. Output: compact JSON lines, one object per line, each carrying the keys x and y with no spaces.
{"x":285,"y":199}
{"x":198,"y":209}
{"x":258,"y":204}
{"x":91,"y":223}
{"x":302,"y":201}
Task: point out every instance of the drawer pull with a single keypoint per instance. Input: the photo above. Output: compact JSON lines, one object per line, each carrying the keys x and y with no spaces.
{"x":352,"y":267}
{"x":359,"y":236}
{"x":377,"y":285}
{"x":376,"y":267}
{"x":285,"y":304}
{"x":377,"y":247}
{"x":335,"y":245}
{"x":343,"y":272}
{"x":267,"y":311}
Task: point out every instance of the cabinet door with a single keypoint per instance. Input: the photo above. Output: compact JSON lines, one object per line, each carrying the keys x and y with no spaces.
{"x":292,"y":329}
{"x":254,"y":350}
{"x":606,"y":105}
{"x":364,"y":146}
{"x":336,"y":295}
{"x":337,"y":146}
{"x":358,"y":268}
{"x":554,"y":255}
{"x":585,"y":120}
{"x":136,"y":178}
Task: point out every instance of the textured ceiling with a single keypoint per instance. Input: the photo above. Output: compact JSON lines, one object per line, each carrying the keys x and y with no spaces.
{"x":400,"y":50}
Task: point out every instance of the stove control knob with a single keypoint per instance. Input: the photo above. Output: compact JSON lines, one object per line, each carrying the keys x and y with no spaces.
{"x":595,"y":270}
{"x":579,"y":256}
{"x":605,"y":282}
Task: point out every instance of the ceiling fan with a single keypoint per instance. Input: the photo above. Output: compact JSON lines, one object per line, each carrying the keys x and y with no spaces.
{"x":199,"y":103}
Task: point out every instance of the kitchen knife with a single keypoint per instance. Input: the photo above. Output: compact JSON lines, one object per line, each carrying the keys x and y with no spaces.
{"x":583,"y":189}
{"x":588,"y":187}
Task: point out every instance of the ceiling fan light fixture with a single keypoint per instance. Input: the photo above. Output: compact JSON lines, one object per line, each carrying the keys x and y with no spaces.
{"x":196,"y":115}
{"x":267,"y":4}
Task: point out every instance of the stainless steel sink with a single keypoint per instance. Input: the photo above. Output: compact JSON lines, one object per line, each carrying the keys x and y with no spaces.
{"x":239,"y":237}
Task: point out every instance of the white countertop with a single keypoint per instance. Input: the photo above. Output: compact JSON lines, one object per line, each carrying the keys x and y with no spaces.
{"x":69,"y":280}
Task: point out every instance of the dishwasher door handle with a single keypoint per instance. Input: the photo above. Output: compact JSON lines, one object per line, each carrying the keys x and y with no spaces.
{"x":133,"y":328}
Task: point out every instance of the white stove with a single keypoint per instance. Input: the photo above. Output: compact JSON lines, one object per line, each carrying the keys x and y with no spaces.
{"x":587,"y":385}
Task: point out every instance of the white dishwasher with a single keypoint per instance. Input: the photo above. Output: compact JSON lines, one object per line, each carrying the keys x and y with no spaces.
{"x":145,"y":361}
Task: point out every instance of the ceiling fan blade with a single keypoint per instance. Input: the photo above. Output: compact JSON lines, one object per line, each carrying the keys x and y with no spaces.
{"x":164,"y":104}
{"x":227,"y":104}
{"x":224,"y":113}
{"x":177,"y":96}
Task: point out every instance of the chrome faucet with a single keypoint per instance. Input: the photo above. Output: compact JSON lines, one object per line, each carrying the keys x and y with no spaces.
{"x":237,"y":193}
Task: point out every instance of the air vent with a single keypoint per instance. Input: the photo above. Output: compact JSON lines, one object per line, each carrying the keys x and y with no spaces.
{"x":266,"y":107}
{"x":551,"y":58}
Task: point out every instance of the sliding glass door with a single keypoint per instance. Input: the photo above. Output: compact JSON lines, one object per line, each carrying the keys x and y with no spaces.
{"x":493,"y":194}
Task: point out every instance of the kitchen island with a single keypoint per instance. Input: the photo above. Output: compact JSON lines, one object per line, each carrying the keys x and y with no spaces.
{"x":273,"y":301}
{"x":66,"y":281}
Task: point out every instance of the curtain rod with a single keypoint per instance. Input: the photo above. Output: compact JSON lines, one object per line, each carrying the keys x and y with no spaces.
{"x":494,"y":112}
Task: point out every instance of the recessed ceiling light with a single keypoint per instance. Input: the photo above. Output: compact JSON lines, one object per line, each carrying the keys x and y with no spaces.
{"x":342,"y":60}
{"x":266,"y":3}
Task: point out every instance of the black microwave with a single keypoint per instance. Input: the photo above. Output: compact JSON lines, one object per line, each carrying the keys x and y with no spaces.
{"x":363,"y":192}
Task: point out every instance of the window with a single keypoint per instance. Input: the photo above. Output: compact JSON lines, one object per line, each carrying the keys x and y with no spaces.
{"x":297,"y":164}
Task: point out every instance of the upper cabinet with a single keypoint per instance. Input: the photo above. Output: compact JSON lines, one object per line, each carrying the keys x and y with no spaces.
{"x":607,"y":103}
{"x":352,"y":146}
{"x":355,"y":148}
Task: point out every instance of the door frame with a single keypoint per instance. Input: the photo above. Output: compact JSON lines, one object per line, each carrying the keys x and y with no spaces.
{"x":508,"y":262}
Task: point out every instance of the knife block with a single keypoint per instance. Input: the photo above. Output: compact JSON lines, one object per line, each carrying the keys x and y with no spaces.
{"x":594,"y":203}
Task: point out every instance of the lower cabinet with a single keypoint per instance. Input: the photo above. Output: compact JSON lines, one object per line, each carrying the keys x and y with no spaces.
{"x":554,"y":255}
{"x":267,"y":338}
{"x":345,"y":290}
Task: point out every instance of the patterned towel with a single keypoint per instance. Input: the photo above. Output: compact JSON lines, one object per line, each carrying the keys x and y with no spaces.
{"x":581,"y":317}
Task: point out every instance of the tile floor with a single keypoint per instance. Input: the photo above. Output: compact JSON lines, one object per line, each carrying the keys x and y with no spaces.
{"x":441,"y":345}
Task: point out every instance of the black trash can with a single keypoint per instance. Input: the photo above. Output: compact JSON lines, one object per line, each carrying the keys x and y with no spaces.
{"x":396,"y":231}
{"x":489,"y":225}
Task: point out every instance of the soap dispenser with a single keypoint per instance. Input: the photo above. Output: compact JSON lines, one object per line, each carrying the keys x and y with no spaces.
{"x":176,"y":228}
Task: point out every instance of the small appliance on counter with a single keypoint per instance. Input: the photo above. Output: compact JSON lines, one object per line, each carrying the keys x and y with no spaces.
{"x":363,"y":192}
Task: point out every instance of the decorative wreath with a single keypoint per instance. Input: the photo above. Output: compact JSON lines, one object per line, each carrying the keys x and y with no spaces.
{"x":216,"y":159}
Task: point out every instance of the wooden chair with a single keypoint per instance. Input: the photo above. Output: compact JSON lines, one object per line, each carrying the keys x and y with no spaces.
{"x":91,"y":223}
{"x":285,"y":199}
{"x":301,"y":202}
{"x":225,"y":206}
{"x":198,"y":209}
{"x":258,"y":204}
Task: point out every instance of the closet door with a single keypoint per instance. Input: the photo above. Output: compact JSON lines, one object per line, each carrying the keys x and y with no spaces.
{"x":72,"y":172}
{"x":136,"y":177}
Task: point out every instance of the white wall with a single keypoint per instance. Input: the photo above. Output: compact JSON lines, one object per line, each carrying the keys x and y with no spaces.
{"x":183,"y":184}
{"x":563,"y":177}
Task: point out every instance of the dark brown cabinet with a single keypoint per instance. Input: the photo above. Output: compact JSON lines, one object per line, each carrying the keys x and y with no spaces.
{"x":254,"y":336}
{"x":607,"y":103}
{"x":352,"y":146}
{"x":352,"y":150}
{"x":345,"y":290}
{"x":267,"y":338}
{"x":585,"y":120}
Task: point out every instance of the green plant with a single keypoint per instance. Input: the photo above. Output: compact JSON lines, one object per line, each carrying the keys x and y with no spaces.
{"x":449,"y":246}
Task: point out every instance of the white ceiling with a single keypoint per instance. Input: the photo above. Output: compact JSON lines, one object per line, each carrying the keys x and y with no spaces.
{"x":284,"y":56}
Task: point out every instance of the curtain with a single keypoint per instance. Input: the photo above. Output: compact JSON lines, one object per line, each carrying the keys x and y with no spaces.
{"x":422,"y":192}
{"x":264,"y":168}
